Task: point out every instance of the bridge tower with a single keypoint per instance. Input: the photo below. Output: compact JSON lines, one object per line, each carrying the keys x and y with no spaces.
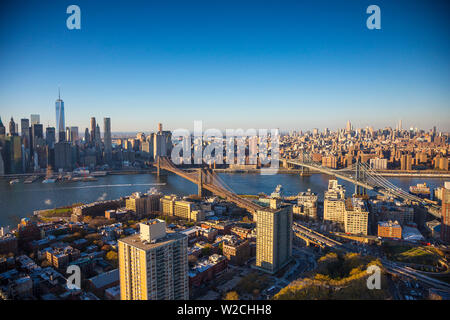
{"x":200,"y":183}
{"x":304,"y":172}
{"x":360,"y":175}
{"x":158,"y":166}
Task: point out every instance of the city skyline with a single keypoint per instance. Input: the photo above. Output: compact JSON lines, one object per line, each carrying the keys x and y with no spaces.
{"x":291,"y":66}
{"x":397,"y":125}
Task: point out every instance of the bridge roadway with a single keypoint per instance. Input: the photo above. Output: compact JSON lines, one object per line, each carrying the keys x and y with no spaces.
{"x":209,"y":182}
{"x":314,"y":236}
{"x":333,"y":172}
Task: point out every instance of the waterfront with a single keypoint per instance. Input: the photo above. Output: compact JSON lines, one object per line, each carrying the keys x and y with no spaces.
{"x":20,"y":200}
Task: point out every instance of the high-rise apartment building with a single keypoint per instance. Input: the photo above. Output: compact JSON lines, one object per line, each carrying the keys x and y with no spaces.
{"x":445,"y":226}
{"x":142,"y":204}
{"x":378,"y":164}
{"x":406,"y":162}
{"x":351,"y":214}
{"x":273,"y":237}
{"x":153,"y":264}
{"x":334,"y":203}
{"x":356,"y":217}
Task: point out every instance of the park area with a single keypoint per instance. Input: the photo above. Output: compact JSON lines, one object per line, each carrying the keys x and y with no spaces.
{"x":408,"y":253}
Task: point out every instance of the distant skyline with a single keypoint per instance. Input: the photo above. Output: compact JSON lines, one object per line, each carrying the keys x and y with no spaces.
{"x":293,"y":65}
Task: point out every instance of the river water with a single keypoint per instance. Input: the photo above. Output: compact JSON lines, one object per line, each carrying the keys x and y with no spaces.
{"x":19,"y":200}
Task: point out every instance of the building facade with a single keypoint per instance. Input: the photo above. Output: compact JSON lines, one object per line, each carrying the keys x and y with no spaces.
{"x":153,"y":265}
{"x":273,"y":237}
{"x":445,"y":226}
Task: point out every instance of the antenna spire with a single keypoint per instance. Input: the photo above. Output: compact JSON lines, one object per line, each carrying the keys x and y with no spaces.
{"x":59,"y":93}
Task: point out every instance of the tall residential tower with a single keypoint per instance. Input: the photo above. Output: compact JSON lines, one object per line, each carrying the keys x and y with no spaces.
{"x":273,"y":237}
{"x":153,"y":265}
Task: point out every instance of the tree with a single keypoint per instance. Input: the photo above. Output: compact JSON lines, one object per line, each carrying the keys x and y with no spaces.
{"x":112,"y":257}
{"x":98,"y":243}
{"x":206,"y":250}
{"x":45,"y":264}
{"x":232,"y":295}
{"x":192,"y":260}
{"x":106,"y":247}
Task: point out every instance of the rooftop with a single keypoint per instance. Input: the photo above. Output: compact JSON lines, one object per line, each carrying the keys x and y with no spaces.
{"x":135,"y":240}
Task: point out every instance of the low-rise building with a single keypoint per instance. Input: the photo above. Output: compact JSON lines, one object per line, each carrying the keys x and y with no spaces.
{"x":206,"y":269}
{"x":237,"y":251}
{"x":389,"y":229}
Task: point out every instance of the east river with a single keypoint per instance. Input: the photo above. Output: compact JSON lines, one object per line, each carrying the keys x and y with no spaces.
{"x":20,"y":200}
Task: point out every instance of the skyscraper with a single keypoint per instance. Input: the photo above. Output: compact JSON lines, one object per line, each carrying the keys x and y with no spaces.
{"x":162,"y":142}
{"x":273,"y":237}
{"x":35,"y":119}
{"x":50,"y":137}
{"x":60,"y":124}
{"x":92,"y":136}
{"x":63,"y":156}
{"x":13,"y":154}
{"x":25,"y":132}
{"x":107,"y":139}
{"x":73,"y":134}
{"x":159,"y":145}
{"x":87,"y":136}
{"x":2,"y":128}
{"x":153,"y":265}
{"x":12,"y":127}
{"x":37,"y":132}
{"x":97,"y":134}
{"x":349,"y":126}
{"x":2,"y":164}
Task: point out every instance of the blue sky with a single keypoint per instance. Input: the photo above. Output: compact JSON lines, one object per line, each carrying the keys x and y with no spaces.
{"x":250,"y":64}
